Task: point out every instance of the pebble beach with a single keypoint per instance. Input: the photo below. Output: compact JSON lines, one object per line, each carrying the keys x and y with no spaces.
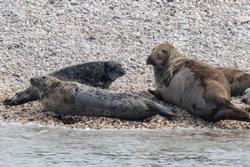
{"x":39,"y":36}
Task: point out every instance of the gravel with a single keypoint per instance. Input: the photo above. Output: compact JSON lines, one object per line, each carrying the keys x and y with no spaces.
{"x":38,"y":36}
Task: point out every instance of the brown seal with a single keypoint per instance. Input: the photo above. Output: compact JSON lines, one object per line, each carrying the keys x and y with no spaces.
{"x":98,"y":74}
{"x":72,"y":98}
{"x":195,"y":86}
{"x":238,"y":80}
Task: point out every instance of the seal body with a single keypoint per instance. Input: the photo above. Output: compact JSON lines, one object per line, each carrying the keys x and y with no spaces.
{"x":238,"y":80}
{"x":98,"y":74}
{"x":71,"y":98}
{"x":197,"y":87}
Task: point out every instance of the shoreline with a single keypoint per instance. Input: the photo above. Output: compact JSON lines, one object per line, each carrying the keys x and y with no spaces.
{"x":10,"y":124}
{"x":32,"y":113}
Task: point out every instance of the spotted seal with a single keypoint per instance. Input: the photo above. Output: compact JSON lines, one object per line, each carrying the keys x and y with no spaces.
{"x":72,"y":98}
{"x":197,"y":87}
{"x":98,"y":74}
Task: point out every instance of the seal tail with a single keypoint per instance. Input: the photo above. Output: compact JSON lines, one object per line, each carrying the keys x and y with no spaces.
{"x":232,"y":113}
{"x":160,"y":109}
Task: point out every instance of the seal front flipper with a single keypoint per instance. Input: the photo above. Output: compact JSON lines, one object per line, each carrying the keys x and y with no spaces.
{"x":160,"y":109}
{"x":157,"y":95}
{"x":29,"y":94}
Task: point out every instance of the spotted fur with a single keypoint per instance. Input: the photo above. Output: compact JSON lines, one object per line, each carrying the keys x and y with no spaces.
{"x":71,"y":98}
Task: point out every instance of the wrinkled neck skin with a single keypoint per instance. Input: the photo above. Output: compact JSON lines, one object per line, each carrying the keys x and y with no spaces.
{"x":168,"y":65}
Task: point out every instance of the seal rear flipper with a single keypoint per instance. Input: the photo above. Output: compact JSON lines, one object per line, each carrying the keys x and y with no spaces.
{"x":232,"y":114}
{"x":157,"y":95}
{"x":29,"y":94}
{"x":160,"y":109}
{"x":7,"y":102}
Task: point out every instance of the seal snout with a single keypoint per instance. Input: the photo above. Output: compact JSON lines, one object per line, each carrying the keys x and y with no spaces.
{"x":122,"y":72}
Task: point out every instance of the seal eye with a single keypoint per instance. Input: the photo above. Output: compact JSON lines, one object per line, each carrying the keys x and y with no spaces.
{"x":159,"y":57}
{"x":164,"y":51}
{"x":44,"y":77}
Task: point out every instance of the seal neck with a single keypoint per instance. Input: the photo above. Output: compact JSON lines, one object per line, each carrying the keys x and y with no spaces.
{"x":172,"y":60}
{"x":172,"y":57}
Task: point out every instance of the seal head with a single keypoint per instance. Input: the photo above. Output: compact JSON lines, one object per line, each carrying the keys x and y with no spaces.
{"x":162,"y":54}
{"x":114,"y":70}
{"x":44,"y":84}
{"x":44,"y":81}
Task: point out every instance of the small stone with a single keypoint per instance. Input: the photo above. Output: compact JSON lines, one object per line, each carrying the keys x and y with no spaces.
{"x":74,"y":2}
{"x":244,"y":19}
{"x":60,"y":12}
{"x":51,"y":1}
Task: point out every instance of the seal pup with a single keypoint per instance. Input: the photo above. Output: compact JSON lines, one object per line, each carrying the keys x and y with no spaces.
{"x":72,"y":98}
{"x":197,"y":87}
{"x":238,"y":80}
{"x":246,"y":96}
{"x":98,"y":74}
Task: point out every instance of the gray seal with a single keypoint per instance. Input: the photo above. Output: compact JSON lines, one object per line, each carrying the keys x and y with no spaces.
{"x":199,"y":88}
{"x":97,"y":74}
{"x":72,"y":98}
